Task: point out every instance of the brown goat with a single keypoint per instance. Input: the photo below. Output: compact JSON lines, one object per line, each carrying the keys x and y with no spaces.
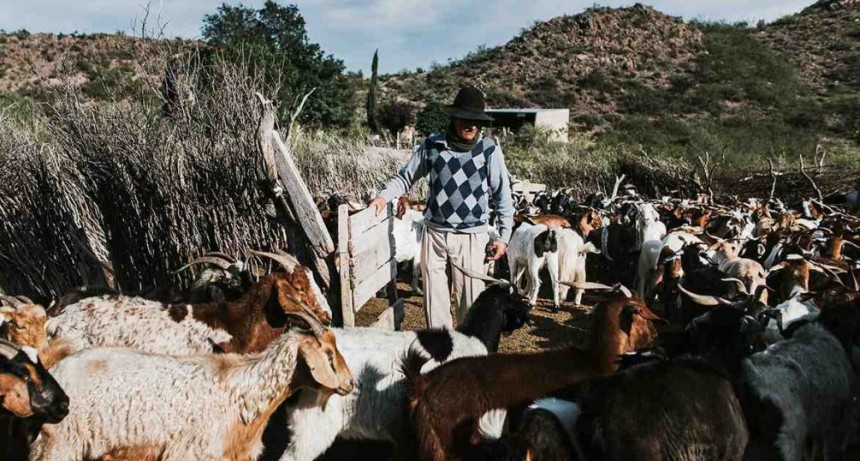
{"x":588,"y":221}
{"x":551,"y":221}
{"x":447,"y":402}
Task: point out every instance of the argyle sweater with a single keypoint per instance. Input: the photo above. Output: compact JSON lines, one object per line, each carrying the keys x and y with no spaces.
{"x":461,"y":184}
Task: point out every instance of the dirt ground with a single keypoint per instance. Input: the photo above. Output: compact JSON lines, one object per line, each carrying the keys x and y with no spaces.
{"x":547,"y":330}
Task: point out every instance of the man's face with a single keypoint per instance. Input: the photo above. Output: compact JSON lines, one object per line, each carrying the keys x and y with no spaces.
{"x":467,"y":129}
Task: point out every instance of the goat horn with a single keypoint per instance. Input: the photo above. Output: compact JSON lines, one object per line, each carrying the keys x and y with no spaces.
{"x":484,"y":277}
{"x":287,"y":261}
{"x":8,"y":349}
{"x":12,"y":301}
{"x":308,"y":316}
{"x":827,"y":267}
{"x":623,"y":290}
{"x":586,"y":285}
{"x":741,"y":287}
{"x":25,"y":299}
{"x":221,"y":263}
{"x":221,"y":255}
{"x":851,"y":244}
{"x":702,"y":299}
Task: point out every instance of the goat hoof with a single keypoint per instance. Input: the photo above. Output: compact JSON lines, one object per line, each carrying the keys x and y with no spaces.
{"x":417,"y":292}
{"x":554,"y":309}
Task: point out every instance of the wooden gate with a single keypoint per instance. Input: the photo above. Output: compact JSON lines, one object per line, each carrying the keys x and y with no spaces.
{"x":367,"y":264}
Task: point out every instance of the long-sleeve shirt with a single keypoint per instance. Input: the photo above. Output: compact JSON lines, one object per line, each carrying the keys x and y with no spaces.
{"x":461,"y":184}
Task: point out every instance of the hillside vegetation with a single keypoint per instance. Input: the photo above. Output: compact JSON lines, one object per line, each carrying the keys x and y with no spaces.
{"x":635,"y":80}
{"x":638,"y":78}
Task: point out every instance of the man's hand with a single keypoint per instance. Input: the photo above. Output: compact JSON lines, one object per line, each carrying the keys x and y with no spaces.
{"x":379,"y":203}
{"x":496,"y":249}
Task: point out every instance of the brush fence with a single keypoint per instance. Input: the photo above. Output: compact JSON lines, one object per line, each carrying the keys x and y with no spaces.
{"x":367,"y":264}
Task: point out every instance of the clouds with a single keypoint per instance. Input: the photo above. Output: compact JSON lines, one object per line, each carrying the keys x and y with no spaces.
{"x":408,"y":33}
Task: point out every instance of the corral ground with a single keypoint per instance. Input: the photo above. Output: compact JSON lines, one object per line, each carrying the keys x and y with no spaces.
{"x":547,"y":330}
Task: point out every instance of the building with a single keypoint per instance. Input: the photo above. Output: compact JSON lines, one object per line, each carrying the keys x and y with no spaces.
{"x":554,"y":120}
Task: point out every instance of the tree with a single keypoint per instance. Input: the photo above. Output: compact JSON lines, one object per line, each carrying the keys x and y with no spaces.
{"x":272,"y":43}
{"x":396,"y":115}
{"x":371,"y":94}
{"x":433,"y":118}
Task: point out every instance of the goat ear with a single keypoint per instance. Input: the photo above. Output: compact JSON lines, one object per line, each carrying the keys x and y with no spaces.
{"x":625,"y":319}
{"x":646,"y":314}
{"x":6,"y":314}
{"x":318,"y":364}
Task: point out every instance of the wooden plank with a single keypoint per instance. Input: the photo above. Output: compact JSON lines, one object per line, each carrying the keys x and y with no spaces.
{"x":346,"y":300}
{"x":367,"y":218}
{"x":392,"y":317}
{"x":307,"y":213}
{"x":379,"y":234}
{"x":367,"y":289}
{"x":366,"y":264}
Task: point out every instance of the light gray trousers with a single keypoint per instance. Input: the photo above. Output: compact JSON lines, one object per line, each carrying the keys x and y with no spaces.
{"x":437,"y":248}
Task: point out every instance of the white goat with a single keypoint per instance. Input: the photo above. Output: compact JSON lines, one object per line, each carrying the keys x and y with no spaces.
{"x":572,"y":252}
{"x":121,"y":321}
{"x":130,"y":405}
{"x":532,"y":247}
{"x":647,"y":273}
{"x":749,"y":271}
{"x":648,"y":225}
{"x":408,"y":232}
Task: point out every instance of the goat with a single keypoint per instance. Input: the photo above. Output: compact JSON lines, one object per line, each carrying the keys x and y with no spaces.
{"x":750,"y":272}
{"x":377,"y":409}
{"x":631,"y":415}
{"x":798,"y":389}
{"x":248,"y":324}
{"x":648,"y":225}
{"x":29,"y":397}
{"x":572,"y":252}
{"x":205,"y":407}
{"x":447,"y":402}
{"x":533,"y":247}
{"x":25,"y":325}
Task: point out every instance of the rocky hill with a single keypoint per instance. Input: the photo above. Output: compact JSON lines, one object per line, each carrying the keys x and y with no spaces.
{"x":824,"y":40}
{"x":98,"y":63}
{"x":570,"y":61}
{"x":639,"y":77}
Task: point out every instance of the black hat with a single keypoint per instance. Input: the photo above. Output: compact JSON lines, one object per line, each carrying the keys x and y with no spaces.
{"x":469,"y":104}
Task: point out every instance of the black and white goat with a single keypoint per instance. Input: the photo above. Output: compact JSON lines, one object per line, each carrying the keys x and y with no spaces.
{"x":376,"y":409}
{"x":532,"y":247}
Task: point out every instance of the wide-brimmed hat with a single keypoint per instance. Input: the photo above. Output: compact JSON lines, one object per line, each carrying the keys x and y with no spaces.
{"x":469,"y":104}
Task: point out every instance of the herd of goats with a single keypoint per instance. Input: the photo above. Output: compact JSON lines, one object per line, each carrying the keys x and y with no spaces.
{"x":754,"y":355}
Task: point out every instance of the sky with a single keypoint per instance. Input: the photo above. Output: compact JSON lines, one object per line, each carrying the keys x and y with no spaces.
{"x":408,"y":33}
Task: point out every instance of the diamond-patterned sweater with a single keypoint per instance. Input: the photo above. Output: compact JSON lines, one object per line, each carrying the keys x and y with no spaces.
{"x":461,"y":184}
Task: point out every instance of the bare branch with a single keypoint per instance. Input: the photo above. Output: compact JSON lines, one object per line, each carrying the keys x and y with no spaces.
{"x":618,"y":180}
{"x":773,"y":177}
{"x":297,"y":112}
{"x":708,"y":172}
{"x":811,"y":181}
{"x":820,"y":153}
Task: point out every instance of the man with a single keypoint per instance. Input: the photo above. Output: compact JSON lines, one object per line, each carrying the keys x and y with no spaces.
{"x":465,"y":170}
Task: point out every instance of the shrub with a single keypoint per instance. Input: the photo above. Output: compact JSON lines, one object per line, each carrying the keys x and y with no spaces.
{"x":396,"y":115}
{"x":433,"y":118}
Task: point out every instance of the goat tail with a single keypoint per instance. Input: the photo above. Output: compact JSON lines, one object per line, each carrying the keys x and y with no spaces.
{"x":412,"y":363}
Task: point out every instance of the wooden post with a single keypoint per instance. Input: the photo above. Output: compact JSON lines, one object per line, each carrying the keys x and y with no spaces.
{"x":279,"y":165}
{"x":346,"y":305}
